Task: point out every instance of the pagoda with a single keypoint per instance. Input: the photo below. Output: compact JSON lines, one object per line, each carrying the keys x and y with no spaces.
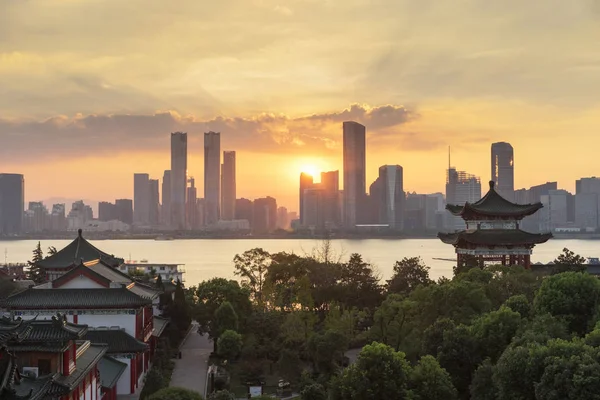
{"x":493,"y":233}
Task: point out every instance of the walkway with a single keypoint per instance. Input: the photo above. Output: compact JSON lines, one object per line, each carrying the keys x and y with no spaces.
{"x":190,"y":371}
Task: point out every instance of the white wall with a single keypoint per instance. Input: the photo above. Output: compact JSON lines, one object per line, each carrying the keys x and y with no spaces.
{"x":81,"y":282}
{"x":124,"y":383}
{"x":124,"y":321}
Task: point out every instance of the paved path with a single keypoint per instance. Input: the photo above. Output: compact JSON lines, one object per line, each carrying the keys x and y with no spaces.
{"x":190,"y":371}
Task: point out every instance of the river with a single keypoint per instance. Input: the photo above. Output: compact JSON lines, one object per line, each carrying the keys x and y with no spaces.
{"x":206,"y":258}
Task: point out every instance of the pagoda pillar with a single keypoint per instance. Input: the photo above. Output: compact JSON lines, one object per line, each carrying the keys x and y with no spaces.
{"x":527,"y":262}
{"x":481,"y":262}
{"x":503,"y":260}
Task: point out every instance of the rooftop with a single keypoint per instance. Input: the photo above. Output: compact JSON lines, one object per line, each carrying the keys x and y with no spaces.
{"x":110,"y":371}
{"x":496,"y":237}
{"x":159,"y":324}
{"x":69,"y":299}
{"x":117,"y":340}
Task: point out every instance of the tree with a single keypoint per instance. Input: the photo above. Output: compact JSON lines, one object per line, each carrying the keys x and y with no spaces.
{"x":468,"y":262}
{"x":483,"y":386}
{"x":392,"y":321}
{"x":520,"y":304}
{"x":408,"y":274}
{"x":573,"y":378}
{"x":359,"y":284}
{"x":225,"y":319}
{"x":569,"y":261}
{"x":429,"y":381}
{"x":180,"y":309}
{"x":221,"y":395}
{"x":379,"y":373}
{"x":36,"y":273}
{"x":327,"y":350}
{"x":176,"y":393}
{"x":252,"y":266}
{"x":433,"y":337}
{"x":495,"y":330}
{"x":154,"y":382}
{"x":289,"y":365}
{"x":229,"y":344}
{"x":314,"y":392}
{"x":572,"y":296}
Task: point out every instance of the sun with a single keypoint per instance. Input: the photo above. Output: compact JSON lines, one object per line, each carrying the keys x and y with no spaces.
{"x":310,"y":169}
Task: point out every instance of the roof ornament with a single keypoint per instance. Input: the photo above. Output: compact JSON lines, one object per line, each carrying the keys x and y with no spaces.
{"x":79,"y":232}
{"x":492,"y":184}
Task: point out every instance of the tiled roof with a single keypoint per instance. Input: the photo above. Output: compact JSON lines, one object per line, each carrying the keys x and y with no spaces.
{"x":159,"y":324}
{"x":110,"y":273}
{"x":493,"y":204}
{"x":110,"y":371}
{"x":68,"y":299}
{"x":75,"y":252}
{"x":497,"y":237}
{"x":31,"y":388}
{"x":85,"y":363}
{"x":118,"y":341}
{"x":145,"y":291}
{"x":44,"y":335}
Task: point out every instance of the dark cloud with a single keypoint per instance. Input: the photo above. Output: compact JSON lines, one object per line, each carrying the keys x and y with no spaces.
{"x":119,"y":133}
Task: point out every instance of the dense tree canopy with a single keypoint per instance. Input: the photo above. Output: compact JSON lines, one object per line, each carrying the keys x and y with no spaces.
{"x":175,"y":393}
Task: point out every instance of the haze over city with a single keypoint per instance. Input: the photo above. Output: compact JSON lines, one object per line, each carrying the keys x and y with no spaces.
{"x":91,"y":90}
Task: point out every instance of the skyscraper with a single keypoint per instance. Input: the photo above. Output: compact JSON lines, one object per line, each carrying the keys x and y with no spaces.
{"x":191,"y":208}
{"x":503,"y":169}
{"x":12,"y":203}
{"x":141,"y":199}
{"x":124,"y":210}
{"x":306,"y":182}
{"x":392,"y":201}
{"x":212,"y":181}
{"x":165,"y":208}
{"x":153,"y":202}
{"x":461,"y":187}
{"x":354,"y":172}
{"x":330,"y":183}
{"x":178,"y":179}
{"x":228,"y":184}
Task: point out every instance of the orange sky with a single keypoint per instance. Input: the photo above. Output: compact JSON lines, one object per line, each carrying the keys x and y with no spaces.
{"x":85,"y":103}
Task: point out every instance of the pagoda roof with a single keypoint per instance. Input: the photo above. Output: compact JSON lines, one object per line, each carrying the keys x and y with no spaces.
{"x":68,"y":299}
{"x":96,"y":270}
{"x":159,"y":324}
{"x":63,"y":385}
{"x":43,"y":335}
{"x":493,"y":205}
{"x":117,"y":340}
{"x":494,"y":237}
{"x":79,"y":250}
{"x":110,"y":371}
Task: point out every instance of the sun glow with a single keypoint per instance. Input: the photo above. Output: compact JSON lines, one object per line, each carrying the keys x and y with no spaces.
{"x":311,"y":166}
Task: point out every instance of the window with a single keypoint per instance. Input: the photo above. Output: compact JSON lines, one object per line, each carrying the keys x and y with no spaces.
{"x":44,"y":366}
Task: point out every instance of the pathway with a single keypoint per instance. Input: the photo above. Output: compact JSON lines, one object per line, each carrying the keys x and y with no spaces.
{"x":190,"y":371}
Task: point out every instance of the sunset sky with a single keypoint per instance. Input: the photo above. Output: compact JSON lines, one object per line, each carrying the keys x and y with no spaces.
{"x":91,"y":89}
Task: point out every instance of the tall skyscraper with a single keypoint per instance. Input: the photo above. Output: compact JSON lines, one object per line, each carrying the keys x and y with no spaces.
{"x":503,"y":169}
{"x":141,"y":199}
{"x":306,"y":182}
{"x":165,"y":208}
{"x":393,"y":198}
{"x":264,"y":215}
{"x":212,"y":180}
{"x":153,"y":202}
{"x":228,"y":183}
{"x":354,"y":172}
{"x":124,"y":210}
{"x":461,"y":187}
{"x":12,"y":203}
{"x":178,"y":179}
{"x":330,"y":183}
{"x":191,"y":208}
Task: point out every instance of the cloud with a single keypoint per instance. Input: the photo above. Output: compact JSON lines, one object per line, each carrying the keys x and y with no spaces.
{"x":123,"y":133}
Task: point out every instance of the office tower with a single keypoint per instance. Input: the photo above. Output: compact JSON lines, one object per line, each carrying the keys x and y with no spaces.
{"x":503,"y":169}
{"x":313,"y":207}
{"x":558,"y":211}
{"x":153,"y":202}
{"x":228,"y":183}
{"x":330,"y":183}
{"x":243,"y":210}
{"x":58,"y":218}
{"x":79,"y":215}
{"x":586,"y":211}
{"x":415,"y":212}
{"x":107,"y":211}
{"x":283,"y":221}
{"x":12,"y":203}
{"x":124,"y":210}
{"x":212,"y":180}
{"x":306,"y":182}
{"x":354,"y":172}
{"x":532,"y":195}
{"x":434,"y":212}
{"x":264,"y":215}
{"x":586,"y":189}
{"x":37,"y":218}
{"x":141,"y":199}
{"x":165,"y":208}
{"x":587,"y":185}
{"x":391,"y":210}
{"x":461,"y":187}
{"x":373,"y":203}
{"x":178,"y":179}
{"x":191,"y":207}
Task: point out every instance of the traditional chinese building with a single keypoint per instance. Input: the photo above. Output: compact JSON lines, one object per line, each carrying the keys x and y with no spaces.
{"x":78,"y":251}
{"x":493,"y":231}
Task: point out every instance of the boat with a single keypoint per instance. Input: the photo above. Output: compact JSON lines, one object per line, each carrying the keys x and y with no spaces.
{"x":163,"y":238}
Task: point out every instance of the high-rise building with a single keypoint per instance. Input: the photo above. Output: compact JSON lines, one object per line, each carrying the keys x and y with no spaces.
{"x":586,"y":210}
{"x":58,"y":218}
{"x":36,"y":217}
{"x":107,"y":211}
{"x":503,"y":169}
{"x":124,"y":210}
{"x":264,"y":215}
{"x":354,"y":172}
{"x":306,"y":182}
{"x":461,"y":188}
{"x":558,"y":211}
{"x":434,"y":212}
{"x":178,"y":179}
{"x":212,"y":180}
{"x":313,"y":207}
{"x":191,"y":208}
{"x":153,"y":203}
{"x":415,"y":212}
{"x":587,"y":185}
{"x":12,"y":203}
{"x":283,"y":220}
{"x":79,"y":215}
{"x":244,"y":210}
{"x":228,"y":186}
{"x":330,"y":183}
{"x":532,"y":195}
{"x":141,"y":199}
{"x":392,"y":200}
{"x":165,"y":208}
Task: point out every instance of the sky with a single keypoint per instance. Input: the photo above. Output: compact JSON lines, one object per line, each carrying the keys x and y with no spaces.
{"x":91,"y":89}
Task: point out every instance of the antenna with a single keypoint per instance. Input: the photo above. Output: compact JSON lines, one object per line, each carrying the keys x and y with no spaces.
{"x":449,"y":164}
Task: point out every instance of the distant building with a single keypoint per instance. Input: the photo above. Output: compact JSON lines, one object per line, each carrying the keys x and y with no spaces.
{"x":79,"y":216}
{"x":354,"y":137}
{"x":392,"y":200}
{"x":283,"y":221}
{"x":313,"y":208}
{"x":178,"y":179}
{"x":107,"y":211}
{"x":12,"y":203}
{"x":154,"y":202}
{"x":586,"y":211}
{"x":191,"y":209}
{"x":434,"y":211}
{"x":165,"y":208}
{"x":36,"y":217}
{"x":531,"y":196}
{"x":58,"y":218}
{"x":306,"y":182}
{"x":244,"y":210}
{"x":124,"y":209}
{"x":503,"y":169}
{"x":587,"y":185}
{"x":264,"y":215}
{"x":212,"y":180}
{"x":558,"y":211}
{"x":141,"y":199}
{"x":415,"y":212}
{"x":461,"y":187}
{"x":330,"y":183}
{"x":228,"y":186}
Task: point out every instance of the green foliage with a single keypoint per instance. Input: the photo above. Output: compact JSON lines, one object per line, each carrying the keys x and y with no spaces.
{"x":229,"y":344}
{"x":540,"y":329}
{"x":409,"y":273}
{"x":327,"y":350}
{"x":252,"y":266}
{"x":297,"y":327}
{"x":225,"y":319}
{"x":314,"y":392}
{"x":289,"y":365}
{"x":175,"y":393}
{"x":179,"y":311}
{"x":358,"y":284}
{"x":392,"y":321}
{"x":520,"y":304}
{"x":433,"y":337}
{"x":36,"y":273}
{"x":495,"y":330}
{"x":468,"y":263}
{"x":379,"y":373}
{"x":221,"y":395}
{"x":460,"y":355}
{"x":429,"y":381}
{"x":569,"y":261}
{"x":154,"y":382}
{"x":573,"y":378}
{"x":483,"y":386}
{"x":572,"y":296}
